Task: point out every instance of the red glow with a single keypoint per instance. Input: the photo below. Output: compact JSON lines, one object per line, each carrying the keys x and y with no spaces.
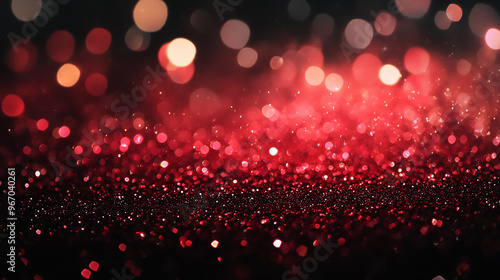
{"x":417,"y":60}
{"x":98,"y":40}
{"x":60,"y":46}
{"x":12,"y":105}
{"x":366,"y":68}
{"x":96,"y":84}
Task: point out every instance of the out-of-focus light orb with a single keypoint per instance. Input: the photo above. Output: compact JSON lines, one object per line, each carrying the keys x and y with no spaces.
{"x":161,"y":137}
{"x":334,"y":82}
{"x":454,"y":12}
{"x":162,"y":56}
{"x":247,"y":57}
{"x":269,"y":112}
{"x":60,"y":46}
{"x":314,"y":75}
{"x":365,"y":68}
{"x":492,"y":38}
{"x":359,"y":33}
{"x":389,"y":74}
{"x":452,"y":139}
{"x":98,"y":40}
{"x":138,"y":138}
{"x":214,"y":243}
{"x":96,"y":84}
{"x":201,"y":20}
{"x":299,"y":10}
{"x":235,"y":34}
{"x":137,"y":40}
{"x":64,"y":131}
{"x":361,"y":128}
{"x":12,"y":105}
{"x":164,"y":164}
{"x":181,"y":52}
{"x":463,"y":67}
{"x":22,"y":59}
{"x":273,"y":151}
{"x":277,"y":243}
{"x":417,"y":60}
{"x":385,"y":24}
{"x":150,"y":15}
{"x":276,"y":62}
{"x":413,"y":8}
{"x":481,"y":18}
{"x":442,"y":21}
{"x":26,"y":10}
{"x":68,"y":75}
{"x":322,"y":25}
{"x":42,"y":124}
{"x":138,"y":123}
{"x":180,"y":75}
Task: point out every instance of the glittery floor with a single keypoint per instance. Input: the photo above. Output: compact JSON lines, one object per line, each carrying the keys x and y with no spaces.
{"x":250,"y":140}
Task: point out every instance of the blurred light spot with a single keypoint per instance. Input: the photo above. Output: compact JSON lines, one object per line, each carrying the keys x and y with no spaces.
{"x":361,"y":128}
{"x":12,"y":105}
{"x":492,"y":38}
{"x":60,"y":46}
{"x":389,"y":74}
{"x":235,"y":34}
{"x":164,"y":164}
{"x":359,"y":33}
{"x":68,"y":75}
{"x":94,"y":265}
{"x":345,"y":155}
{"x":413,"y":8}
{"x":96,"y":84}
{"x":96,"y":150}
{"x":181,"y":52}
{"x":42,"y":124}
{"x":442,"y":21}
{"x":161,"y":137}
{"x":299,"y":10}
{"x":180,"y":75}
{"x":26,"y":10}
{"x":301,"y":250}
{"x":138,"y":139}
{"x":247,"y":57}
{"x":78,"y":150}
{"x":269,"y":112}
{"x":122,"y":247}
{"x":138,"y":123}
{"x":322,"y":25}
{"x":23,"y":58}
{"x":277,"y":243}
{"x":314,"y":75}
{"x":366,"y":68}
{"x":452,"y":139}
{"x":273,"y":151}
{"x":137,"y":40}
{"x":334,"y":82}
{"x":64,"y":131}
{"x":454,"y":12}
{"x":150,"y":15}
{"x":481,"y":18}
{"x":385,"y":24}
{"x":276,"y":62}
{"x":86,"y":273}
{"x":162,"y":56}
{"x":416,"y":60}
{"x":215,"y":243}
{"x":406,"y":154}
{"x":98,"y":40}
{"x":463,"y":67}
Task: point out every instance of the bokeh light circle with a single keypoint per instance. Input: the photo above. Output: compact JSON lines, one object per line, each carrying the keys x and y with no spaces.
{"x":417,"y":60}
{"x":26,"y":10}
{"x":181,"y":52}
{"x":68,"y":75}
{"x":389,"y":74}
{"x":98,"y":40}
{"x":359,"y":33}
{"x":150,"y":15}
{"x":12,"y":105}
{"x":235,"y":34}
